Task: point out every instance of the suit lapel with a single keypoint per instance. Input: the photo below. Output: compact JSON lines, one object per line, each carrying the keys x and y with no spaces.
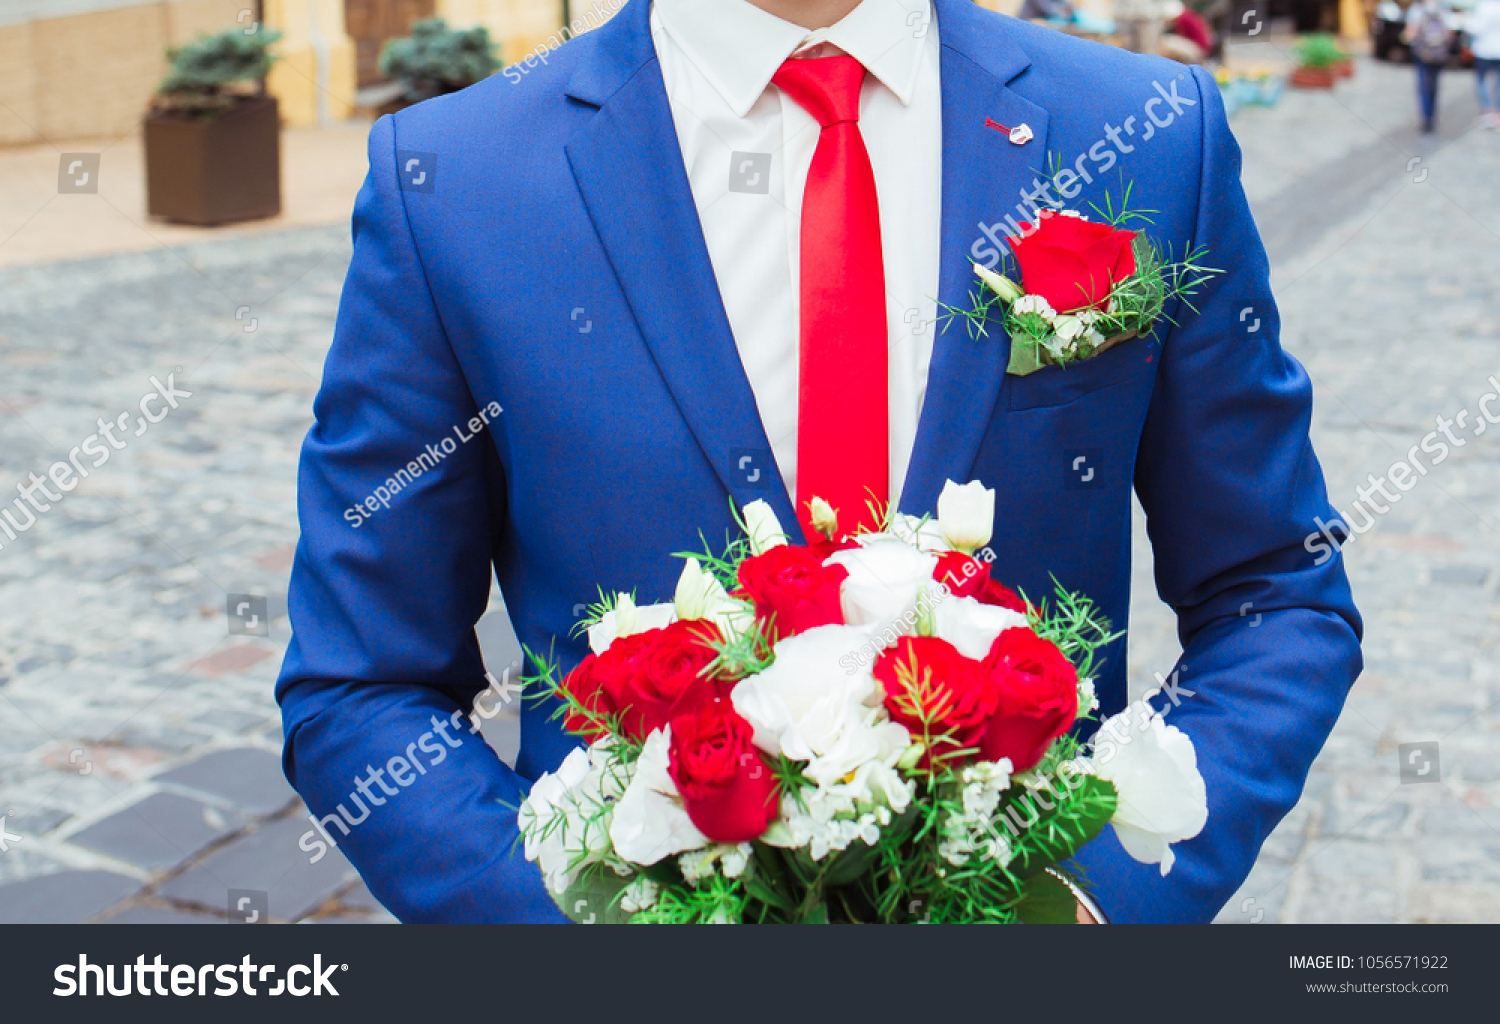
{"x":628,"y":167}
{"x":983,"y":175}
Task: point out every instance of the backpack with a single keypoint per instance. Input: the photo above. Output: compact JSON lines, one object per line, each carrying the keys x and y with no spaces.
{"x":1430,"y":43}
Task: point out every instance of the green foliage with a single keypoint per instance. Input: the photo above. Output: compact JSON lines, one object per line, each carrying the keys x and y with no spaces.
{"x":1319,"y":50}
{"x":435,"y":59}
{"x":594,"y":897}
{"x":1048,"y":901}
{"x":1075,"y":624}
{"x":204,"y":69}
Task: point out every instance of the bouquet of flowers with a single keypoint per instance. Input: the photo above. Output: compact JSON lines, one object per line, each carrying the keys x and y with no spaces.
{"x":868,"y":728}
{"x":1088,"y":286}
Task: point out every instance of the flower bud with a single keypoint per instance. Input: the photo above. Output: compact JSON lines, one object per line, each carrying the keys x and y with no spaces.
{"x":966,"y":515}
{"x":824,"y":519}
{"x":1001,"y":285}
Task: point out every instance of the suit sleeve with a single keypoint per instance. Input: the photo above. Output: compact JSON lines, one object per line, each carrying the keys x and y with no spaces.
{"x":383,"y":601}
{"x":1230,"y":486}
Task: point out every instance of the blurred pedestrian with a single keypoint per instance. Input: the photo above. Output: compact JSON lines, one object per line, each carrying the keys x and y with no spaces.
{"x":1139,"y":23}
{"x":1431,"y":41}
{"x":1046,"y":10}
{"x":1484,"y":40}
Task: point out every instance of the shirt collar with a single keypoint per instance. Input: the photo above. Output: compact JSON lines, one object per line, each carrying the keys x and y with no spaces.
{"x":738,"y":47}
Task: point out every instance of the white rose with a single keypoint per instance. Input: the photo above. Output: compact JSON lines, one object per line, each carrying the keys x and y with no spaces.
{"x":966,"y":514}
{"x":1154,"y":768}
{"x":649,"y":822}
{"x":625,"y":619}
{"x":810,"y":707}
{"x":763,"y":527}
{"x":884,"y":582}
{"x":971,"y":625}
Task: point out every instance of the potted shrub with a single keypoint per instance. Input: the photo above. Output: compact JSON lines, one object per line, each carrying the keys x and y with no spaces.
{"x":436,"y":59}
{"x":1318,"y":57}
{"x":212,"y":136}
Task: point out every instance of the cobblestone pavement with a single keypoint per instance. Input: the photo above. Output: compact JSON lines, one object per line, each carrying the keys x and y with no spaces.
{"x":138,"y":737}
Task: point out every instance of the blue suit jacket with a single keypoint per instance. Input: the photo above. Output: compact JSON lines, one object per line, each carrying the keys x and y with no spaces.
{"x":552,"y":263}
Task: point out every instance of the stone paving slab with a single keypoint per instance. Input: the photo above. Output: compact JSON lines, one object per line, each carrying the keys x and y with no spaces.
{"x":247,"y":778}
{"x":65,"y":897}
{"x":161,"y":915}
{"x":268,"y":861}
{"x":162,"y":830}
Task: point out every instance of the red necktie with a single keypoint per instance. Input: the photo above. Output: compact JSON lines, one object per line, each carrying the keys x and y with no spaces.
{"x":843,"y":408}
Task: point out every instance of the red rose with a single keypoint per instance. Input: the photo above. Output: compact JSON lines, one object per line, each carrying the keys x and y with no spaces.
{"x":969,"y":577}
{"x":1073,"y":263}
{"x":646,"y":678}
{"x":727,"y":790}
{"x":792,"y":589}
{"x":1037,"y":688}
{"x":924,"y":677}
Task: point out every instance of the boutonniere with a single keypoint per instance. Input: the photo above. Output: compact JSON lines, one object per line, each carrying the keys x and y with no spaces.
{"x":1085,"y":287}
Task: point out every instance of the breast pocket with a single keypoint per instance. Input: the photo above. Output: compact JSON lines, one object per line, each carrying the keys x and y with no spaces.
{"x":1059,"y":385}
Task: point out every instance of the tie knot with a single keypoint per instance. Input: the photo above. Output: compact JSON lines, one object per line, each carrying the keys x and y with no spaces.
{"x":825,"y":87}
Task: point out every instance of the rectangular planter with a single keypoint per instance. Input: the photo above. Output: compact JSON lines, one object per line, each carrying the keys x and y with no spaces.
{"x":214,"y":170}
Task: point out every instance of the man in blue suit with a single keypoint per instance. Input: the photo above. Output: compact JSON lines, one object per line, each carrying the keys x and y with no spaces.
{"x":562,"y":351}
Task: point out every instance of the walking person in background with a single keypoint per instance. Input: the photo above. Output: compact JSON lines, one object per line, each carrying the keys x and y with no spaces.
{"x":1484,"y":40}
{"x":1139,"y":23}
{"x":1431,"y":40}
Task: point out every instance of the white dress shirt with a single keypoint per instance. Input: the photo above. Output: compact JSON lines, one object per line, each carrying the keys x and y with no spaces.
{"x":747,"y":148}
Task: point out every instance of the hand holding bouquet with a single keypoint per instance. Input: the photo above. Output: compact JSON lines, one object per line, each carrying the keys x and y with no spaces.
{"x":866,"y":729}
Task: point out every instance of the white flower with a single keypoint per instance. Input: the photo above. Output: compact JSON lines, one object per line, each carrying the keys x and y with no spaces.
{"x":1071,"y":213}
{"x":1154,"y":768}
{"x":885,"y":579}
{"x":565,"y":818}
{"x":1034,"y":304}
{"x":700,"y":596}
{"x":924,"y":533}
{"x":649,"y":821}
{"x":971,"y":625}
{"x":1069,"y":328}
{"x":966,"y":515}
{"x":639,"y":895}
{"x":1004,"y":287}
{"x":732,"y":859}
{"x":1088,"y":700}
{"x":763,"y":527}
{"x":1095,"y":338}
{"x":808,"y":706}
{"x":625,"y":619}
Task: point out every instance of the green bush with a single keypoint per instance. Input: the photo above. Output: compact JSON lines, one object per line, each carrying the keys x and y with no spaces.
{"x":204,"y":72}
{"x":1319,"y":50}
{"x":435,"y":59}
